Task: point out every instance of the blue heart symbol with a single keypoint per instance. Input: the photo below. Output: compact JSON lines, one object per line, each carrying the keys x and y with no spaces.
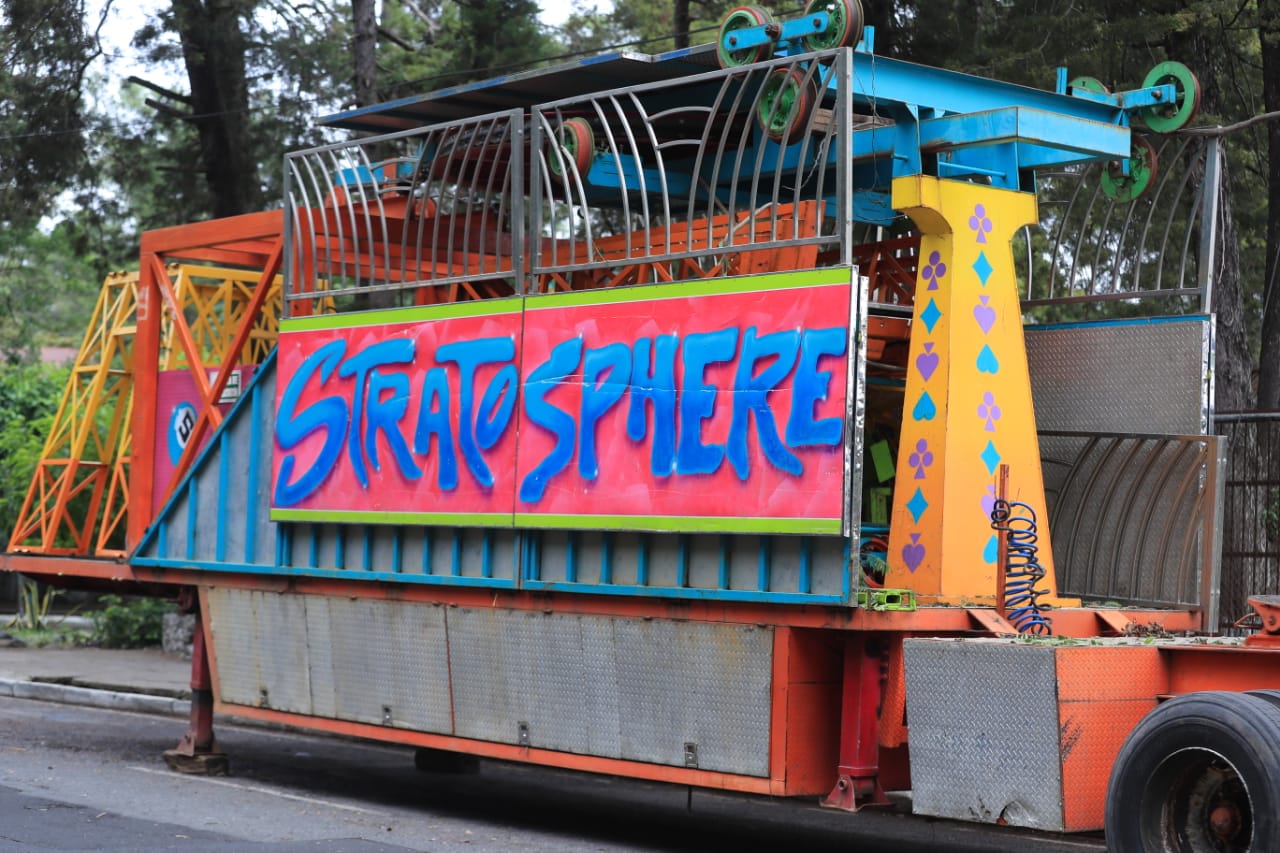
{"x":992,"y":552}
{"x":987,"y":361}
{"x":925,"y":410}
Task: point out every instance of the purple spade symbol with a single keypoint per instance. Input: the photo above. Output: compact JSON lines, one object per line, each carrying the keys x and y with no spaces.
{"x":984,"y":314}
{"x":913,"y":552}
{"x":927,"y":362}
{"x":920,"y":458}
{"x":989,"y":411}
{"x":989,"y":501}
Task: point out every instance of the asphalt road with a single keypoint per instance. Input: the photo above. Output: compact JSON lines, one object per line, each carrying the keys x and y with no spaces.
{"x":75,"y":778}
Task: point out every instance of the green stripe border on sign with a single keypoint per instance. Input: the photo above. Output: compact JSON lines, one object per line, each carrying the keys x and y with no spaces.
{"x":455,"y":519}
{"x":699,"y":287}
{"x":678,"y":523}
{"x":398,"y":316}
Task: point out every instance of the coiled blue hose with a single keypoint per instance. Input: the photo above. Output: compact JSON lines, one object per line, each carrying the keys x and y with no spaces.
{"x":1022,"y":568}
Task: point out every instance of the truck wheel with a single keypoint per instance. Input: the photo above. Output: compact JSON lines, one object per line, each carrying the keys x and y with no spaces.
{"x":1199,"y":774}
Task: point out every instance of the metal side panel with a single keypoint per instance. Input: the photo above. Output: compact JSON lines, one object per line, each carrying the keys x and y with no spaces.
{"x":619,"y":688}
{"x":1149,"y":376}
{"x":260,"y":649}
{"x":984,"y":732}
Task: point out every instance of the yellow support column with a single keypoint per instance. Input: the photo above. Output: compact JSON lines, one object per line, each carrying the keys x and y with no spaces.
{"x":968,"y":394}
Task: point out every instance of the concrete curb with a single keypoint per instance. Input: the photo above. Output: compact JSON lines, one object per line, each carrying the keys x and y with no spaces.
{"x":71,"y":695}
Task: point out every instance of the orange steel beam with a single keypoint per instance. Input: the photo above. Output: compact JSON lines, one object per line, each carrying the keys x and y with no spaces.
{"x":181,"y":330}
{"x":215,"y":233}
{"x":146,"y":358}
{"x":210,"y":417}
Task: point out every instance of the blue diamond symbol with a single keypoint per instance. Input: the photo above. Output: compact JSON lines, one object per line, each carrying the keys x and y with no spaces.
{"x":982,"y":267}
{"x":991,"y":553}
{"x":917,"y":505}
{"x":930,"y":315}
{"x":991,"y":457}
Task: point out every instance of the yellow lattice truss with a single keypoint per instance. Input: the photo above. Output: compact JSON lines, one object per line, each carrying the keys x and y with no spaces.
{"x":81,"y":484}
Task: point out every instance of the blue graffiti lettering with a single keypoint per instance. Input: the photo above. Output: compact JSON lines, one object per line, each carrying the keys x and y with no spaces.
{"x":327,"y":413}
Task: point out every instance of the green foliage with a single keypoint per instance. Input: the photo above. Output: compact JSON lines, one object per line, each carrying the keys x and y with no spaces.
{"x":33,"y":606}
{"x":133,"y":623}
{"x":29,"y":397}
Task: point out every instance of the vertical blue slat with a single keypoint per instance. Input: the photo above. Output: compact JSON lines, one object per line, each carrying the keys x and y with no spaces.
{"x":162,"y":538}
{"x":806,"y":564}
{"x":193,"y":513}
{"x":486,"y":554}
{"x":313,"y":546}
{"x":339,"y":546}
{"x":224,"y":475}
{"x":366,"y":549}
{"x":455,"y":553}
{"x":606,"y":558}
{"x":642,"y":560}
{"x":722,"y":576}
{"x":846,"y":578}
{"x":397,"y":550}
{"x":428,"y":545}
{"x":250,"y":518}
{"x":764,"y":561}
{"x":682,"y":560}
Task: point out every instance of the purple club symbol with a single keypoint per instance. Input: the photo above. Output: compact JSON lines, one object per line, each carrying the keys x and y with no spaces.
{"x":920,"y":458}
{"x":980,"y":222}
{"x":989,"y":411}
{"x":913,"y":552}
{"x":927,"y":361}
{"x":934,"y":271}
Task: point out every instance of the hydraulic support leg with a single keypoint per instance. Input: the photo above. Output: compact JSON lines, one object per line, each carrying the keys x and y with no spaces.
{"x":858,"y":782}
{"x":198,"y":751}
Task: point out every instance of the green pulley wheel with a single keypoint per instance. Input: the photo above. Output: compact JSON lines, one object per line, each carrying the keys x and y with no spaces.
{"x":577,"y":143}
{"x":1142,"y":172}
{"x":1166,"y":118}
{"x":844,"y":24}
{"x":786,"y":101}
{"x":742,"y":18}
{"x":1089,"y":84}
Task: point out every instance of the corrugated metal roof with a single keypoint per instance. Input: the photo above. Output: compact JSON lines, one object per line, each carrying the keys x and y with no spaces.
{"x":527,"y":88}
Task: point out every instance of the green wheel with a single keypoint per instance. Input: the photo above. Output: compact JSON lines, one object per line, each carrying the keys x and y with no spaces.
{"x":577,"y":143}
{"x":742,"y":18}
{"x":785,"y":104}
{"x":1166,"y":118}
{"x":1142,"y":172}
{"x":844,"y":27}
{"x":1089,"y":84}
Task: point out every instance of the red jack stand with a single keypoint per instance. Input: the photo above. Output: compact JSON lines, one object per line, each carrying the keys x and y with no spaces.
{"x":858,"y":779}
{"x":198,"y":752}
{"x":1268,"y":609}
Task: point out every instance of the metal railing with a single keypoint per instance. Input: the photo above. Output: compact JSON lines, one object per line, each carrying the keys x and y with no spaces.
{"x":1251,"y":522}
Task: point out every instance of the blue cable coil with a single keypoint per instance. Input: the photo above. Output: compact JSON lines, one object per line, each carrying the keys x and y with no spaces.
{"x":1022,"y":568}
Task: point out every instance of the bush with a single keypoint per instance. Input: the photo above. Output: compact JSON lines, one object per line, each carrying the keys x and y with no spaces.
{"x":129,"y":624}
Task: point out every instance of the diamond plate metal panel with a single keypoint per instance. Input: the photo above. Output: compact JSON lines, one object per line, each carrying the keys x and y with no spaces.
{"x":984,"y":732}
{"x":618,"y":688}
{"x":260,"y":649}
{"x":383,"y":655}
{"x":1142,"y":376}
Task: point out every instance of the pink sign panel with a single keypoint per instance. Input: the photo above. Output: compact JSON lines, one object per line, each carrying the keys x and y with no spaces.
{"x":177,"y":406}
{"x":410,"y":415}
{"x":717,"y":405}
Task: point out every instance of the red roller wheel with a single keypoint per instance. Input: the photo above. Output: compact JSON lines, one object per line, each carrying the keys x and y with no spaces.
{"x":785,"y":104}
{"x":577,"y":144}
{"x":742,"y":18}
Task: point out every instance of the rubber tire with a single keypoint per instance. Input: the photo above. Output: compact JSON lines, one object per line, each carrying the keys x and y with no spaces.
{"x":1242,"y":729}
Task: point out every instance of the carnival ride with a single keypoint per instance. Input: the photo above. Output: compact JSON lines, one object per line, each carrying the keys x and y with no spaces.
{"x":696,"y":385}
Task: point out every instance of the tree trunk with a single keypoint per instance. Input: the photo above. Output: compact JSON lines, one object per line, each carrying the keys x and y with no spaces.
{"x":1233,"y":380}
{"x":1269,"y":367}
{"x":680,"y":16}
{"x":364,"y":46}
{"x":213,"y":49}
